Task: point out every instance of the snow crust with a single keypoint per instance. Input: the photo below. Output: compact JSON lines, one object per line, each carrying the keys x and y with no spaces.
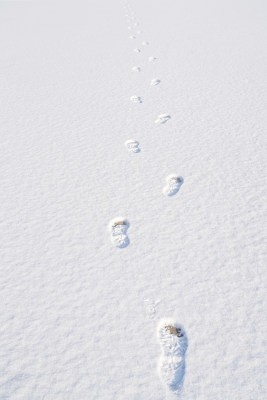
{"x":79,"y":316}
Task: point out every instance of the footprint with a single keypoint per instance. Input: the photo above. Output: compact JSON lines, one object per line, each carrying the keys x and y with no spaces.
{"x":162,"y":119}
{"x":132,"y":37}
{"x":137,"y":50}
{"x":145,"y":43}
{"x":118,"y":228}
{"x":136,"y":24}
{"x":139,"y":32}
{"x":132,"y":146}
{"x":151,"y":59}
{"x":136,"y":99}
{"x":173,"y":342}
{"x":151,"y":308}
{"x":173,"y":185}
{"x":136,"y":69}
{"x":155,"y":82}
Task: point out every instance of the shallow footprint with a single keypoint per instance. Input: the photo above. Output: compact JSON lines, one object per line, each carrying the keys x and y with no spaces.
{"x":136,"y":69}
{"x":155,"y":82}
{"x":118,"y":228}
{"x":136,"y":99}
{"x":151,"y":59}
{"x":173,"y":185}
{"x":151,"y":307}
{"x":132,"y":146}
{"x":137,"y":50}
{"x":162,"y":119}
{"x":132,"y":37}
{"x":173,"y":342}
{"x":139,"y":32}
{"x":145,"y":43}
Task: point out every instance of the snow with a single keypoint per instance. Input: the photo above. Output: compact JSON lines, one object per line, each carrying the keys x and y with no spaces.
{"x":79,"y":316}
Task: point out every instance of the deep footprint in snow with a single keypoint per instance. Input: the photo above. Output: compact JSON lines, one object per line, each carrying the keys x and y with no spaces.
{"x":136,"y":69}
{"x":151,"y":59}
{"x":155,"y":82}
{"x":173,"y":185}
{"x":132,"y":146}
{"x":173,"y":342}
{"x":136,"y":99}
{"x":137,"y":50}
{"x":162,"y":119}
{"x":118,"y":228}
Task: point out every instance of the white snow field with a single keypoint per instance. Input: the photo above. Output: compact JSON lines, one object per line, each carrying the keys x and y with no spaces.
{"x":83,"y":301}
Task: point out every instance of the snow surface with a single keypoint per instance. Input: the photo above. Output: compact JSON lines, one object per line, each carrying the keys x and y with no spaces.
{"x":79,"y":317}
